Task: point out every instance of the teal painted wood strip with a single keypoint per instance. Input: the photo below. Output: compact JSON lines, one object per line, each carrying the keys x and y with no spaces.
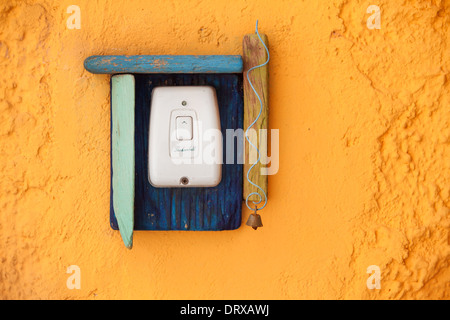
{"x":164,"y":64}
{"x":122,"y":135}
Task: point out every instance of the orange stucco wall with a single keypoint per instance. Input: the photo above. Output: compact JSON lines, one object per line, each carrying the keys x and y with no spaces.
{"x":364,"y":174}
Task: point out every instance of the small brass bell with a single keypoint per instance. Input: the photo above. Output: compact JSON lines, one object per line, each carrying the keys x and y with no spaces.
{"x":254,"y":220}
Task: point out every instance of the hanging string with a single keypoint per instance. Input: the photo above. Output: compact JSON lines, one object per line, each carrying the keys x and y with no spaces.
{"x":260,"y":198}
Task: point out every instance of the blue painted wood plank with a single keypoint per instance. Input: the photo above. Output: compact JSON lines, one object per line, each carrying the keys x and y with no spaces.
{"x":123,"y":156}
{"x":195,"y":209}
{"x":164,"y":64}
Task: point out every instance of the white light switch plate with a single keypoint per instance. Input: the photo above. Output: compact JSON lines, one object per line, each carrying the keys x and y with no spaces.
{"x":185,"y":141}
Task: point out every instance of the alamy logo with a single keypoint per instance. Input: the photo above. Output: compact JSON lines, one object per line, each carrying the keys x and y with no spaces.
{"x":374,"y":281}
{"x":74,"y":20}
{"x":374,"y":21}
{"x":74,"y":281}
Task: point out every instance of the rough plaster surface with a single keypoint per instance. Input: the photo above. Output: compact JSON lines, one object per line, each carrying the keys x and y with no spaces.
{"x":364,"y":173}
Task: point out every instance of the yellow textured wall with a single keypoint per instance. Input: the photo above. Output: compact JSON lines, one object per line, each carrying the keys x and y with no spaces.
{"x":364,"y":152}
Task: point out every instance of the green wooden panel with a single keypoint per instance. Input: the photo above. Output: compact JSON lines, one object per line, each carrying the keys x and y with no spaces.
{"x":122,"y":135}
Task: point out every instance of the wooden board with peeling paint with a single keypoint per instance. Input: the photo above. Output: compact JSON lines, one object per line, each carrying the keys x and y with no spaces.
{"x":122,"y":153}
{"x":255,"y":55}
{"x":146,"y":64}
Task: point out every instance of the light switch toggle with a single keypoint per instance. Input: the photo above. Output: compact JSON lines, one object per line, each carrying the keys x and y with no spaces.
{"x":184,"y":128}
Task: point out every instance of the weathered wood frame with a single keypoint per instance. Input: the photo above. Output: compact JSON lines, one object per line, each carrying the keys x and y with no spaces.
{"x":122,"y":69}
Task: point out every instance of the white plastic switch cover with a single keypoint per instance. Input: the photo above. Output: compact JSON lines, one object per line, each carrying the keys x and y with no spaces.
{"x":185,"y":142}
